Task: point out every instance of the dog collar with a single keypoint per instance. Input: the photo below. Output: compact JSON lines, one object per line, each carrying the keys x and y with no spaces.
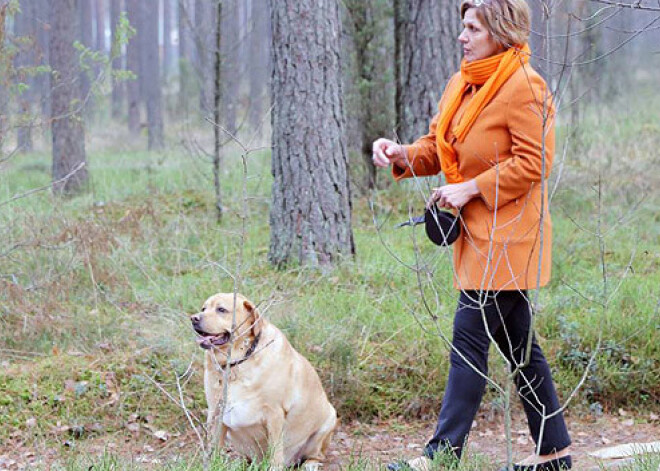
{"x":248,"y":354}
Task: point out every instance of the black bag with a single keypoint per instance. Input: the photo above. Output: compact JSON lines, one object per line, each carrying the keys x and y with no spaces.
{"x":442,"y":227}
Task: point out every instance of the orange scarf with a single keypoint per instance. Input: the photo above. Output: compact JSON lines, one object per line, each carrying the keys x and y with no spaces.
{"x":492,"y":73}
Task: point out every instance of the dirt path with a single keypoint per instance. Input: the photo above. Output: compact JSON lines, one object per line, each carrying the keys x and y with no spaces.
{"x":385,"y":442}
{"x":376,"y":442}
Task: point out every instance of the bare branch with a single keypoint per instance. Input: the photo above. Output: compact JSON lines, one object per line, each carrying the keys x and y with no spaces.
{"x":45,"y":187}
{"x":637,"y":5}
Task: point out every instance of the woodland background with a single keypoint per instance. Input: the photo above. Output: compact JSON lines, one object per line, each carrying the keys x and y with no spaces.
{"x":154,"y":152}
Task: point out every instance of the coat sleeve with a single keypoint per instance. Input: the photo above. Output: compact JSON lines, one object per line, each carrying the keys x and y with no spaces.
{"x":422,"y":155}
{"x":530,"y":118}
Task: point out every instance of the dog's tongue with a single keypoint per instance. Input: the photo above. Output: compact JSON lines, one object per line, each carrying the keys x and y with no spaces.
{"x":209,"y":341}
{"x":204,"y":342}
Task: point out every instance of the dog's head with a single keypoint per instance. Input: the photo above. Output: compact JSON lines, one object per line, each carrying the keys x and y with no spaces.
{"x":213,"y":323}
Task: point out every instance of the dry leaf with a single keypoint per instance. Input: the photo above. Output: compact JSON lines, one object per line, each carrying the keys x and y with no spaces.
{"x":133,"y":427}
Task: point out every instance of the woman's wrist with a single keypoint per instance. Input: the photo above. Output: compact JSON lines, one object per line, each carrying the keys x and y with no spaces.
{"x":474,"y":188}
{"x":402,"y":157}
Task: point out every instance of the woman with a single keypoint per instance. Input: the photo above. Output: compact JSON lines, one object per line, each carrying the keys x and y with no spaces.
{"x":493,"y":138}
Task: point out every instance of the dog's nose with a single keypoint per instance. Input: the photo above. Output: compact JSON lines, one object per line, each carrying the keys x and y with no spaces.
{"x":195,"y":319}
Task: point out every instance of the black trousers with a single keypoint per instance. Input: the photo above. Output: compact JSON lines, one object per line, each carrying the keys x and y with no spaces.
{"x":508,"y":315}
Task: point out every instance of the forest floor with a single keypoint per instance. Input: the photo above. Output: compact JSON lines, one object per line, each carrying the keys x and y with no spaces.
{"x":368,"y":445}
{"x":83,"y":277}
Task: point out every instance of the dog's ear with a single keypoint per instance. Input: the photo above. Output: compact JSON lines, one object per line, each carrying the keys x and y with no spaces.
{"x":255,"y":317}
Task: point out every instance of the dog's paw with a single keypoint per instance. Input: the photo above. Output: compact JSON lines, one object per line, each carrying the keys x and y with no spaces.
{"x":313,"y":466}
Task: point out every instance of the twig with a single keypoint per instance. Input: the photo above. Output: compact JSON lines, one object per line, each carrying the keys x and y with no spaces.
{"x":45,"y":187}
{"x":637,"y":5}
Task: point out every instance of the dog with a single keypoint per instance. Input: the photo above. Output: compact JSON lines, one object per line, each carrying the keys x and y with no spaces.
{"x":276,"y":405}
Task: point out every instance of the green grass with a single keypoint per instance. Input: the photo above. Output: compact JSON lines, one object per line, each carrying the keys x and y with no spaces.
{"x":94,"y":296}
{"x":109,"y":462}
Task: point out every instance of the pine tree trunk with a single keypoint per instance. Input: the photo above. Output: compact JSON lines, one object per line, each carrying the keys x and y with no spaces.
{"x":373,"y":116}
{"x":537,"y":34}
{"x":4,"y":81}
{"x":217,"y":99}
{"x":204,"y":28}
{"x":167,"y":35}
{"x":100,"y":26}
{"x":133,"y":65}
{"x":24,"y":29}
{"x":231,"y":65}
{"x":86,"y":33}
{"x":117,"y":86}
{"x":428,"y":54}
{"x":310,"y":216}
{"x":67,"y":129}
{"x":42,"y":20}
{"x":151,"y":70}
{"x":258,"y":69}
{"x":185,"y":46}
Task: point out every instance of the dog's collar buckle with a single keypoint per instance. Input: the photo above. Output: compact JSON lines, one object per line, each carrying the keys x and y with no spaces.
{"x":248,"y":354}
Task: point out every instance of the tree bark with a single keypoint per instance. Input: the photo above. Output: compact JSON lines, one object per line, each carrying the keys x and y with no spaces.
{"x":258,"y":68}
{"x":374,"y":94}
{"x":117,"y":86}
{"x":42,"y":20}
{"x":204,"y":29}
{"x":67,"y":129}
{"x":151,"y":70}
{"x":310,"y":217}
{"x":133,"y":65}
{"x":100,"y":26}
{"x":5,"y":65}
{"x":231,"y":65}
{"x":217,"y":100}
{"x":86,"y":32}
{"x":185,"y":46}
{"x":24,"y":28}
{"x":427,"y":56}
{"x":538,"y":33}
{"x":167,"y":38}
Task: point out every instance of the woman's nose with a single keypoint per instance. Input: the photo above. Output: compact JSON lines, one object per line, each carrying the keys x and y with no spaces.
{"x":462,"y":37}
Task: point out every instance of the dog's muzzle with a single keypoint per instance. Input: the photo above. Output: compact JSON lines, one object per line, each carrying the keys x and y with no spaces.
{"x":208,"y":341}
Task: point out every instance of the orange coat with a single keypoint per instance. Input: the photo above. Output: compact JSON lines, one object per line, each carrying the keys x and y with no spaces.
{"x":501,"y":237}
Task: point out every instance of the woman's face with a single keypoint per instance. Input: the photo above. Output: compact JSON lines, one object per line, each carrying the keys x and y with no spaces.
{"x":477,"y":41}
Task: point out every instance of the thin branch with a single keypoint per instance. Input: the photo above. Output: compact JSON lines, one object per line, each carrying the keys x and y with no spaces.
{"x":45,"y":187}
{"x":633,"y":6}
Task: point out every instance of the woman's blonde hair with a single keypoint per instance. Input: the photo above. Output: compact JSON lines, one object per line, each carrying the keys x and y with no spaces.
{"x":508,"y":21}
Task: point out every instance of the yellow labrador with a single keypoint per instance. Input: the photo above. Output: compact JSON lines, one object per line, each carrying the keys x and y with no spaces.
{"x":276,"y":402}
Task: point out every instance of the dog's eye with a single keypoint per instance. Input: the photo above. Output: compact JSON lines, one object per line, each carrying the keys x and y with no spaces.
{"x":221,"y":310}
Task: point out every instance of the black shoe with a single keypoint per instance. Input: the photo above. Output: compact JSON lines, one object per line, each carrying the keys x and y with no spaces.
{"x":558,"y":464}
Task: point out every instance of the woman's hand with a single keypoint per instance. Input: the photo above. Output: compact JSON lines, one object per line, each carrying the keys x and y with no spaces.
{"x":454,"y":195}
{"x":386,"y":152}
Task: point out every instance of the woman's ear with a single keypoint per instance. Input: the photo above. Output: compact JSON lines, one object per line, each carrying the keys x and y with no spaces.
{"x":255,"y":317}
